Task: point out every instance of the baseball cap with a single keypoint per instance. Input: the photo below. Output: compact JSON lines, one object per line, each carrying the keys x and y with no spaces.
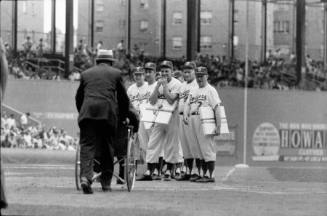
{"x":139,"y":70}
{"x":150,"y":65}
{"x":201,"y":71}
{"x":166,"y":64}
{"x":105,"y":55}
{"x":189,"y":65}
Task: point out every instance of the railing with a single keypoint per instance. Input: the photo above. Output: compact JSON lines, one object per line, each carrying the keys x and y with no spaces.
{"x":42,"y":66}
{"x":17,"y":114}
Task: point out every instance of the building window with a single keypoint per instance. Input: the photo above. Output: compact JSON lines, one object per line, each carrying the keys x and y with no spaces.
{"x":282,"y":26}
{"x":99,"y":24}
{"x":122,"y":3}
{"x":283,"y":7}
{"x":144,"y":25}
{"x":99,"y":6}
{"x":276,"y":26}
{"x":206,"y":17}
{"x":24,"y":7}
{"x":144,"y":4}
{"x":206,"y":42}
{"x":33,"y":9}
{"x":177,"y":18}
{"x":177,"y":42}
{"x":122,"y":23}
{"x":286,"y":26}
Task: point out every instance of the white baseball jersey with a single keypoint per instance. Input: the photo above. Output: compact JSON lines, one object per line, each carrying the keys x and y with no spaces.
{"x":138,"y":95}
{"x":151,"y":88}
{"x":173,"y":87}
{"x":184,"y":93}
{"x":206,"y":96}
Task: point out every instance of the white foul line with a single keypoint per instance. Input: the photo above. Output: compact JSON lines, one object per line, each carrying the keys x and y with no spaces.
{"x":229,"y":173}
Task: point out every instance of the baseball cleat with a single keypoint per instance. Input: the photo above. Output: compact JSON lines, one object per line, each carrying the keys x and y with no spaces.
{"x":204,"y":179}
{"x":194,"y":177}
{"x":184,"y":177}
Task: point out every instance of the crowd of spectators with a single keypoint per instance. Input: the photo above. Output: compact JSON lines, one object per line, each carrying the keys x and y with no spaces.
{"x":28,"y":61}
{"x":276,"y":73}
{"x":20,"y":134}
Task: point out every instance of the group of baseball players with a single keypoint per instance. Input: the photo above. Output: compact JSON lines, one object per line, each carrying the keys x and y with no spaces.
{"x":180,"y":144}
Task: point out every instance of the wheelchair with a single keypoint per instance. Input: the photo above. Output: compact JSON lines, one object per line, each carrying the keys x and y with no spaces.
{"x":126,"y":155}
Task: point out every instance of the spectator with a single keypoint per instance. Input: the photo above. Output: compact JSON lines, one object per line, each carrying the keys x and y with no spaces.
{"x":99,"y":46}
{"x":12,"y":140}
{"x":35,"y":137}
{"x":27,"y":138}
{"x":120,"y":46}
{"x":75,"y":76}
{"x":24,"y":120}
{"x":40,"y":48}
{"x":4,"y":119}
{"x":3,"y":137}
{"x":27,"y":46}
{"x":11,"y":121}
{"x":120,"y":49}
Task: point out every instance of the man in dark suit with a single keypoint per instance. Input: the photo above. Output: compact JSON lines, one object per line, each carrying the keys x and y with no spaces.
{"x":101,"y":101}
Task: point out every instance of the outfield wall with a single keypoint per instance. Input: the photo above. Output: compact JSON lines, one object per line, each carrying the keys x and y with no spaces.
{"x":282,"y":125}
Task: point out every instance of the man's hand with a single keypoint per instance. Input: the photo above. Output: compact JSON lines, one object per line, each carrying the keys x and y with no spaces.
{"x":162,"y":81}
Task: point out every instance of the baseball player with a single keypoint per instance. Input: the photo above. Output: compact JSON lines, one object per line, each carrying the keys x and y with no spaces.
{"x":138,"y":94}
{"x":205,"y":95}
{"x":150,"y":77}
{"x":162,"y":135}
{"x":187,"y":137}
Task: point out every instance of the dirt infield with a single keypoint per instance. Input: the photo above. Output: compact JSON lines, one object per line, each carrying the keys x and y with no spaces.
{"x":41,"y":189}
{"x":38,"y":187}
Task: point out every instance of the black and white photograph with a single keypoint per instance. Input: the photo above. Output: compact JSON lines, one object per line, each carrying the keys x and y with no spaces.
{"x":163,"y":107}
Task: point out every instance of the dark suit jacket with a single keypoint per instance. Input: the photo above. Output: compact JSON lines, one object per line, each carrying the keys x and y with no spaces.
{"x":101,"y":95}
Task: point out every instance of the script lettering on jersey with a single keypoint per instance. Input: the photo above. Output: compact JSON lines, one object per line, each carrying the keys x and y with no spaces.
{"x":145,"y":97}
{"x":201,"y":99}
{"x":184,"y":95}
{"x":193,"y":99}
{"x":134,"y":97}
{"x":140,"y":97}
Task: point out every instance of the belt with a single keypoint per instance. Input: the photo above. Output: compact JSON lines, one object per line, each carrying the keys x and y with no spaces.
{"x":195,"y":113}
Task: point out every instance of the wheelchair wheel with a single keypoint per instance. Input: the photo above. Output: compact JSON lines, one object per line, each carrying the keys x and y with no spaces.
{"x":78,"y":168}
{"x":130,"y":162}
